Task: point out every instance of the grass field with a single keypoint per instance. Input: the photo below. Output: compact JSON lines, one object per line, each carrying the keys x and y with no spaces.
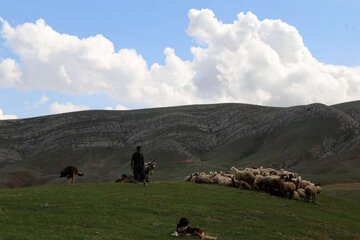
{"x":127,"y":211}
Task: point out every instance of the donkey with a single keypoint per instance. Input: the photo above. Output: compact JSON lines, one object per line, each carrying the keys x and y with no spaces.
{"x":150,"y":168}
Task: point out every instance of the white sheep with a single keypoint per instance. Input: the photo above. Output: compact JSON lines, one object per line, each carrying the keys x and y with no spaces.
{"x":222,"y":180}
{"x":188,"y":178}
{"x":295,"y":196}
{"x":245,"y":176}
{"x":311,"y":191}
{"x":204,"y":179}
{"x":258,"y":182}
{"x":245,"y":185}
{"x":304,"y":183}
{"x":301,"y":193}
{"x":288,"y":188}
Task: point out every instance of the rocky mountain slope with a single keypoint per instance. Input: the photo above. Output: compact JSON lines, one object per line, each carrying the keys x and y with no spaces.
{"x":316,"y":140}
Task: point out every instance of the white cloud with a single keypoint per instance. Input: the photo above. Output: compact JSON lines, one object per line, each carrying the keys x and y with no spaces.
{"x":42,"y":100}
{"x":248,"y":60}
{"x":117,"y":107}
{"x":10,"y":74}
{"x":6,"y":117}
{"x":263,"y":62}
{"x":67,"y":107}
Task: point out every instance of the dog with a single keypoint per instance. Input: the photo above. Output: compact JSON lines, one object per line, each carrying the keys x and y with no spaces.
{"x":71,"y":172}
{"x":182,"y":229}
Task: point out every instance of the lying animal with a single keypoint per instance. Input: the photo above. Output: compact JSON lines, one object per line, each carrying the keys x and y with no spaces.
{"x":182,"y":229}
{"x":71,"y":172}
{"x":125,"y":178}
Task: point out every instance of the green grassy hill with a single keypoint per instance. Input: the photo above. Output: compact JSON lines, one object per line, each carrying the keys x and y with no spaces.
{"x":128,"y":211}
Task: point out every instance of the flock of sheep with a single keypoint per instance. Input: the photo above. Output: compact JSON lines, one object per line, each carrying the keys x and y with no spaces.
{"x":276,"y":182}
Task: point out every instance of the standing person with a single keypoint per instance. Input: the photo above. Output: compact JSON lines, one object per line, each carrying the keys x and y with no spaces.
{"x":138,"y":165}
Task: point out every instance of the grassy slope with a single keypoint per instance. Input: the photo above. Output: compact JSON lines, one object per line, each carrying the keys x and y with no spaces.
{"x":127,"y":211}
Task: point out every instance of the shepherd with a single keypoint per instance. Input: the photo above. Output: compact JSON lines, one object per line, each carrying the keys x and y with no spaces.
{"x":138,"y":166}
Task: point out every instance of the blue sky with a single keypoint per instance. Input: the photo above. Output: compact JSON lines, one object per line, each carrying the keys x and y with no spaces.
{"x":329,"y":30}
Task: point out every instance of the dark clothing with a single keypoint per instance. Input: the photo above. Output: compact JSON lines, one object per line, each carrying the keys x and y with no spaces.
{"x":138,"y":173}
{"x":137,"y":165}
{"x":137,"y":160}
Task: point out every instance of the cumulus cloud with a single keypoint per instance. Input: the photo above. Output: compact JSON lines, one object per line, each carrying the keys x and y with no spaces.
{"x":263,"y":62}
{"x":6,"y":117}
{"x":248,"y":60}
{"x":10,"y":73}
{"x":67,"y":107}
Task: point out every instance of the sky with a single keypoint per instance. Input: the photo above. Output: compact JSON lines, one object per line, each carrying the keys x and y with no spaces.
{"x":63,"y":56}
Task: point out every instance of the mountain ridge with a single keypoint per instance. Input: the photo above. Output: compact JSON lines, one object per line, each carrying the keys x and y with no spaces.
{"x":222,"y":135}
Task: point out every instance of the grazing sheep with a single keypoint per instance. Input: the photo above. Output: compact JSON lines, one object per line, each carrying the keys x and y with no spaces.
{"x":296,"y":181}
{"x":266,"y":171}
{"x":194,"y":177}
{"x":311,"y":191}
{"x":245,"y":176}
{"x":188,"y":178}
{"x":295,"y":196}
{"x":254,"y":171}
{"x":212,"y":175}
{"x":276,"y":182}
{"x":245,"y":185}
{"x":204,"y":179}
{"x":284,"y":172}
{"x":301,"y":193}
{"x":304,"y":183}
{"x":265,"y":184}
{"x":288,"y":188}
{"x":225,"y":174}
{"x":224,"y":181}
{"x":258,"y":182}
{"x":235,"y":183}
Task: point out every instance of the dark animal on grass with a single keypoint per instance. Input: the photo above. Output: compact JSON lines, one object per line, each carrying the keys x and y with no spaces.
{"x":125,"y":178}
{"x":70,"y":172}
{"x":182,"y":229}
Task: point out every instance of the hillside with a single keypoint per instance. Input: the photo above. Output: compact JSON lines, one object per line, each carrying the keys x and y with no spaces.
{"x":316,"y":140}
{"x":128,"y":211}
